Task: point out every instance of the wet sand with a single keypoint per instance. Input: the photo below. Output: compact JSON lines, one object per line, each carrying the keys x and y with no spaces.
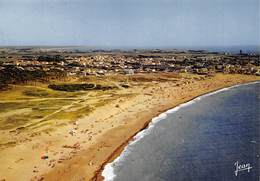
{"x":101,"y":136}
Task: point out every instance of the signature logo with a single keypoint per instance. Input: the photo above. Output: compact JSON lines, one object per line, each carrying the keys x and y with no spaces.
{"x":242,"y":167}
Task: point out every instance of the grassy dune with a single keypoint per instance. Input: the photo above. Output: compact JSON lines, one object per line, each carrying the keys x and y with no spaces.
{"x":26,"y":110}
{"x":35,"y":109}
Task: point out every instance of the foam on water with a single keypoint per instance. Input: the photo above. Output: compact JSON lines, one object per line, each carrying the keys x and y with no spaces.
{"x":108,"y":172}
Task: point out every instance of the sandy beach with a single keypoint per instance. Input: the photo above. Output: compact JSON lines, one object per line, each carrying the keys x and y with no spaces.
{"x":79,"y":151}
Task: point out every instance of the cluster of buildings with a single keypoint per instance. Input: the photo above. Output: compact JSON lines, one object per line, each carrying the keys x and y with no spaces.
{"x":130,"y":63}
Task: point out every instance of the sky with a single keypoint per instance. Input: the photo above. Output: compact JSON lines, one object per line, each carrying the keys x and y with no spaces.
{"x":130,"y":23}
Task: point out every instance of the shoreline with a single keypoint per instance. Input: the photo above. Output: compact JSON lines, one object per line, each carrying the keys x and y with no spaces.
{"x":100,"y":153}
{"x":104,"y":133}
{"x":117,"y":154}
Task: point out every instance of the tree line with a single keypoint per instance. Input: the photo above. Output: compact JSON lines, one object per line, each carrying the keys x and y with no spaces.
{"x":17,"y":75}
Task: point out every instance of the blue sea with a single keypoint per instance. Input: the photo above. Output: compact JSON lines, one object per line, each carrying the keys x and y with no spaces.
{"x":214,"y":137}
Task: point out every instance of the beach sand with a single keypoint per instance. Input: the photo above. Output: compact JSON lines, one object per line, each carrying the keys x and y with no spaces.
{"x":100,"y":136}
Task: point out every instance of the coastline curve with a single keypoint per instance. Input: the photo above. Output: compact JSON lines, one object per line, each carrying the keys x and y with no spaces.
{"x":108,"y":171}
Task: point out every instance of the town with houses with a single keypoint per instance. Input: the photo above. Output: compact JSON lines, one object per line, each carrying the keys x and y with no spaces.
{"x":21,"y":66}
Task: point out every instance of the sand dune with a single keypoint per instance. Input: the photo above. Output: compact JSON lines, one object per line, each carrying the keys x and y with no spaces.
{"x":79,"y":150}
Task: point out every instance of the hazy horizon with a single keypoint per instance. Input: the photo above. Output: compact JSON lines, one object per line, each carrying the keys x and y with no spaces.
{"x":230,"y":49}
{"x":132,"y":24}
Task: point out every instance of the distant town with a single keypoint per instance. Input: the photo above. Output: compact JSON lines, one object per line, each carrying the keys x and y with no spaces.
{"x":30,"y":64}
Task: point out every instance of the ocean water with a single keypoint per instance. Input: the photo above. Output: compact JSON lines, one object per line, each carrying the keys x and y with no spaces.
{"x":206,"y":139}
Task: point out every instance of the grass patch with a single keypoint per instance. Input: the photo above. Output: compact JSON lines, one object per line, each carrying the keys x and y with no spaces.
{"x":72,"y":115}
{"x":4,"y":107}
{"x":13,"y":122}
{"x":40,"y":110}
{"x":36,"y":93}
{"x":79,"y":87}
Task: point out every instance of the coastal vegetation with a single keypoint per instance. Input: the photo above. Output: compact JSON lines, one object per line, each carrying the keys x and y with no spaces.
{"x":12,"y":74}
{"x":79,"y":87}
{"x":42,"y":107}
